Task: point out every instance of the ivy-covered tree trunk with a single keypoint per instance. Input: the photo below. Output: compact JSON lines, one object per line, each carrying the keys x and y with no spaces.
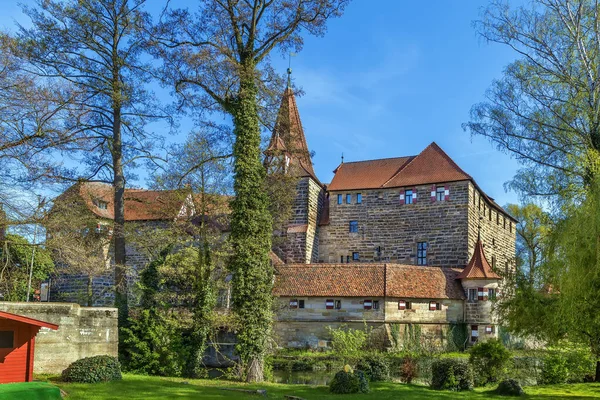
{"x":250,"y":233}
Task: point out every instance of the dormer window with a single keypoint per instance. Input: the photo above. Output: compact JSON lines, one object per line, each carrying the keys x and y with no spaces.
{"x":101,"y":204}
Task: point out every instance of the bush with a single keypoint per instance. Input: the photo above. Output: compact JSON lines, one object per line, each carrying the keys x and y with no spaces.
{"x":490,"y":359}
{"x":510,"y":387}
{"x":451,"y":374}
{"x":408,"y":370}
{"x":93,"y":369}
{"x":348,"y":381}
{"x":581,"y":365}
{"x":375,"y":367}
{"x":348,"y":343}
{"x":554,"y":369}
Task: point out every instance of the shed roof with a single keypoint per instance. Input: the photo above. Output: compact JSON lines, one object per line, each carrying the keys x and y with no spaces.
{"x":27,"y":320}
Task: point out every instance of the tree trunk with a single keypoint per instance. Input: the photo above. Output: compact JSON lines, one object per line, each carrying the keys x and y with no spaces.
{"x":250,"y":233}
{"x":119,"y":222}
{"x":256,"y":369}
{"x":597,"y":378}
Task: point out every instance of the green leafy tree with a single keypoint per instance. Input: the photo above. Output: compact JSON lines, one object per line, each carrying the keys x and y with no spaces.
{"x":218,"y":59}
{"x":489,"y":360}
{"x":16,"y":255}
{"x":544,"y":109}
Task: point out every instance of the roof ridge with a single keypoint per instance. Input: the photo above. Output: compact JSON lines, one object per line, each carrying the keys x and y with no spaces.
{"x":402,"y":167}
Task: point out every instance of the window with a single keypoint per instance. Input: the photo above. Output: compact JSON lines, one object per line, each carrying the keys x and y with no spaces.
{"x":294,"y":303}
{"x":353,"y":226}
{"x":490,"y":215}
{"x":340,"y":199}
{"x":329,"y":304}
{"x":492,"y":294}
{"x":358,"y":198}
{"x":342,"y":259}
{"x":375,"y":304}
{"x":355,"y":256}
{"x":422,"y":253}
{"x":368,"y":304}
{"x":408,"y":197}
{"x":482,"y":294}
{"x":472,"y":295}
{"x":510,"y":226}
{"x":300,"y":303}
{"x":490,"y":329}
{"x":474,"y":333}
{"x":222,"y":298}
{"x":348,"y":199}
{"x":440,"y":193}
{"x":403,"y":305}
{"x":101,"y":204}
{"x":7,"y":339}
{"x":338,"y":304}
{"x":434,"y":306}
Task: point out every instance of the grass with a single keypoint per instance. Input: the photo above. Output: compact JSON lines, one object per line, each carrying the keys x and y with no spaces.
{"x":135,"y":387}
{"x":29,"y":391}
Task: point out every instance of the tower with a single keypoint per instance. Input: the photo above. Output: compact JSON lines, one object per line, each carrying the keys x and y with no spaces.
{"x":288,"y":154}
{"x":481,"y":285}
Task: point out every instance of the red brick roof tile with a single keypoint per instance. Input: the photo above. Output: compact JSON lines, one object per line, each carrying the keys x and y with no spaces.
{"x":370,"y":174}
{"x":478,"y":267}
{"x":367,"y":280}
{"x":140,"y":205}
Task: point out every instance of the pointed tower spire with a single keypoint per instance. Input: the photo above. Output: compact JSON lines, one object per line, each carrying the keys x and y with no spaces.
{"x":478,"y":267}
{"x":288,"y":136}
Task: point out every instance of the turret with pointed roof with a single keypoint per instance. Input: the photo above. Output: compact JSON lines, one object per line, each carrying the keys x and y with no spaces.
{"x":288,"y":139}
{"x":478,"y":267}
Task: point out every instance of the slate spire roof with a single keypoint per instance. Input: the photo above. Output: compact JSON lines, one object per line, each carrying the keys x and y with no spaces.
{"x":288,"y":137}
{"x":478,"y":267}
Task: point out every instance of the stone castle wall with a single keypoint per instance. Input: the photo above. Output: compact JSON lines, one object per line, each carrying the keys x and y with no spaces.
{"x":498,"y":233}
{"x":396,"y":228}
{"x":82,"y":332}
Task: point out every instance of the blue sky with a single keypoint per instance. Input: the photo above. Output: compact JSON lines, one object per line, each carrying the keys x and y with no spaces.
{"x":387,"y":79}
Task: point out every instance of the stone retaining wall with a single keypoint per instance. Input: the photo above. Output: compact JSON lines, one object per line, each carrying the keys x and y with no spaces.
{"x":83,"y":332}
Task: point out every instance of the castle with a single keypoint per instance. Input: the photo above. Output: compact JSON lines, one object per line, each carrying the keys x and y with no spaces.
{"x":389,"y":242}
{"x":392,"y":243}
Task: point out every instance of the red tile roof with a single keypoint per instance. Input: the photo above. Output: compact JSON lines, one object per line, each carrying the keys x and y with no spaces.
{"x":362,"y":280}
{"x":478,"y":267}
{"x":432,"y":165}
{"x":369,"y":174}
{"x":140,"y":205}
{"x":27,"y":320}
{"x":288,"y":136}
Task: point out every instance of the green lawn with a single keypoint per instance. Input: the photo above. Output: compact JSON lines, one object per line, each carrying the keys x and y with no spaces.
{"x":134,"y":387}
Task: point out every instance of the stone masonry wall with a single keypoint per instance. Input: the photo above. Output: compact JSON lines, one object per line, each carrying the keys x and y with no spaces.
{"x":83,"y":332}
{"x":498,"y":233}
{"x":396,"y":228}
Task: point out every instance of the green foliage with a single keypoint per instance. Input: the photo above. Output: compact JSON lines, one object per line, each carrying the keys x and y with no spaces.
{"x":555,"y":369}
{"x":154,"y":345}
{"x":457,"y":337}
{"x":509,"y":387}
{"x":347,"y":342}
{"x":490,"y":361}
{"x":15,"y":260}
{"x":347,"y":382}
{"x":93,"y":369}
{"x":376,"y":367}
{"x":451,"y":374}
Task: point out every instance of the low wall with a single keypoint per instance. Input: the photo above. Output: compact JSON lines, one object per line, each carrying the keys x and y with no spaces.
{"x":83,"y":332}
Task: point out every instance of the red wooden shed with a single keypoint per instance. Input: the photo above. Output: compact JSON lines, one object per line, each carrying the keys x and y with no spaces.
{"x":17,"y":344}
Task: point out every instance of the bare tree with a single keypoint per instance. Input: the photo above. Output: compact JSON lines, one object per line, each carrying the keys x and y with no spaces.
{"x":95,"y":46}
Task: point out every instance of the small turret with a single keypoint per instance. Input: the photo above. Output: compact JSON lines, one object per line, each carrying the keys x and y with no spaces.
{"x":480,"y":283}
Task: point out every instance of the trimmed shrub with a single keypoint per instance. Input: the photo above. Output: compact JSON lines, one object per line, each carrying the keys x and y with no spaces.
{"x":490,"y":360}
{"x":93,"y":369}
{"x":581,"y":365}
{"x":509,"y":387}
{"x":409,"y":369}
{"x":375,"y":367}
{"x":348,"y":381}
{"x":451,"y":374}
{"x":554,"y":369}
